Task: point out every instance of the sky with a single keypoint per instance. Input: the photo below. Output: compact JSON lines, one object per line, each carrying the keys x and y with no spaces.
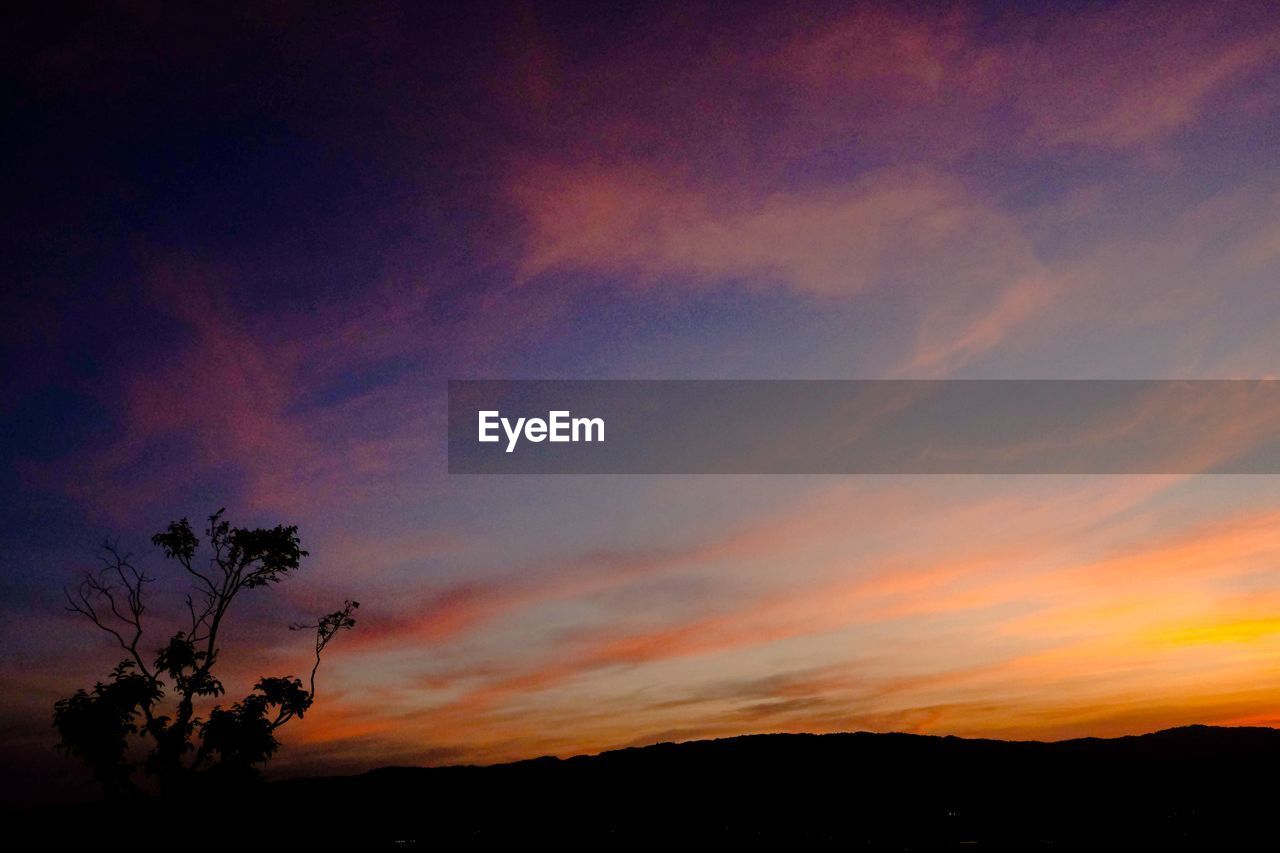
{"x":246,"y":247}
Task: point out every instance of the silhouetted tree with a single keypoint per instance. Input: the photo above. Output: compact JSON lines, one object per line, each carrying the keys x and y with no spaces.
{"x":97,"y":725}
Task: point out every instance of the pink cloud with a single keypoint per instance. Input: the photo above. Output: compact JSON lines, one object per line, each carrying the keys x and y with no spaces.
{"x":1119,"y":77}
{"x":650,"y":207}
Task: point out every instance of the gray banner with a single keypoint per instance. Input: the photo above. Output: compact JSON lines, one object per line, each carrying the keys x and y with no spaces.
{"x":864,"y":427}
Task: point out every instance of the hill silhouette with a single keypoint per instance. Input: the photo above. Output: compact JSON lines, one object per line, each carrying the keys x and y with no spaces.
{"x":1197,"y":787}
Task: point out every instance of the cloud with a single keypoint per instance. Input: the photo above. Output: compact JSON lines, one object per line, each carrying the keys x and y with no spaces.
{"x":1035,"y":627}
{"x":891,"y":226}
{"x":217,"y":401}
{"x":967,"y":266}
{"x":1109,"y":78}
{"x":1121,"y":77}
{"x":811,"y":209}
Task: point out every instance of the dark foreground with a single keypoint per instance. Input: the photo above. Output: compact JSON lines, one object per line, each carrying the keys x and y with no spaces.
{"x":1196,"y":788}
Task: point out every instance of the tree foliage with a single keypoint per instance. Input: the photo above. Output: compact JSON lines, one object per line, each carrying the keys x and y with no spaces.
{"x":152,"y":699}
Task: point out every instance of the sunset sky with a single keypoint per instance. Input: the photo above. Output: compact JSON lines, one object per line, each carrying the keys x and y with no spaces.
{"x":245,"y":251}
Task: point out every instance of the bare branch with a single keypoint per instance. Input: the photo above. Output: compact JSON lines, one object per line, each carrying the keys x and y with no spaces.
{"x":326,"y":629}
{"x":120,"y":585}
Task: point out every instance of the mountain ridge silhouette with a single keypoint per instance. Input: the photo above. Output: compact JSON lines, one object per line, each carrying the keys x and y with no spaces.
{"x":1173,"y":732}
{"x":1185,"y":788}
